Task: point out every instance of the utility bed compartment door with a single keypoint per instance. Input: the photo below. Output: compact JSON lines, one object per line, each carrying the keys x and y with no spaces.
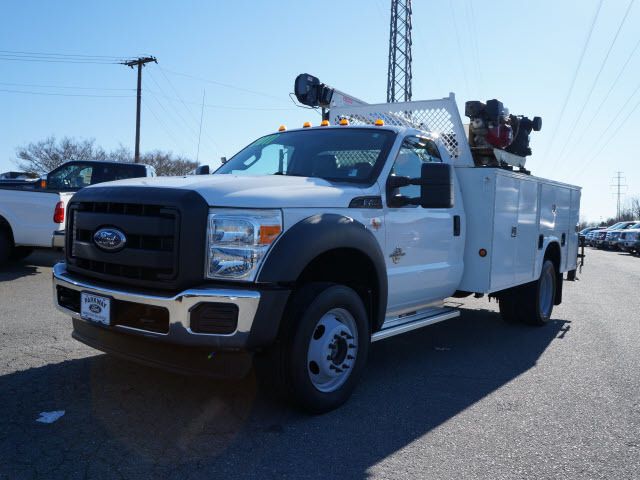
{"x":503,"y":257}
{"x":506,"y":213}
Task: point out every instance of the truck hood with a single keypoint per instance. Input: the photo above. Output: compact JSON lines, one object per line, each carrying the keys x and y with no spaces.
{"x":265,"y":191}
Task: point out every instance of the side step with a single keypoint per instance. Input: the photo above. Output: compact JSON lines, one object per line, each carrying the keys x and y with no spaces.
{"x":413,"y":323}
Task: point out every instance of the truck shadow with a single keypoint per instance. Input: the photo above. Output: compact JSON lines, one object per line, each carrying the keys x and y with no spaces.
{"x":127,"y":420}
{"x":30,"y":265}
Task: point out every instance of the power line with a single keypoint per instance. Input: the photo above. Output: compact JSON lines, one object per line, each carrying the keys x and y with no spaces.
{"x":226,"y":85}
{"x":226,"y":107}
{"x":608,"y":94}
{"x":190,"y":111}
{"x":14,"y":52}
{"x":575,"y":76}
{"x":56,"y":94}
{"x":595,"y":81}
{"x":69,"y":87}
{"x":160,"y":122}
{"x":460,"y":49}
{"x":616,"y":132}
{"x":44,"y":60}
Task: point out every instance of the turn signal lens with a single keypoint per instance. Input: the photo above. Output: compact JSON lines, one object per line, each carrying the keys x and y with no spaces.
{"x":344,"y":121}
{"x":268,"y":233}
{"x":306,"y":124}
{"x":482,"y":252}
{"x":324,"y":123}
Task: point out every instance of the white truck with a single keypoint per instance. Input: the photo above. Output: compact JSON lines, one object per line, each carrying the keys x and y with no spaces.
{"x":308,"y":245}
{"x":32,"y":214}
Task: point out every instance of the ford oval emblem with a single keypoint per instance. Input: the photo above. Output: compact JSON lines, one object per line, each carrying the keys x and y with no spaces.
{"x":109,"y":239}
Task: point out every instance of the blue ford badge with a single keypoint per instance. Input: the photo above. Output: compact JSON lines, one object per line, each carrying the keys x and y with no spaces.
{"x":110,"y":239}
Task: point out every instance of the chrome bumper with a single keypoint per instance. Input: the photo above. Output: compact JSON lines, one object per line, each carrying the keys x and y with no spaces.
{"x":57,"y":240}
{"x":178,"y":306}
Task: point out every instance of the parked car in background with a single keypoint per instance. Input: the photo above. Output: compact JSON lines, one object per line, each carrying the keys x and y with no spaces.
{"x":613,"y":234}
{"x":629,"y":238}
{"x":600,"y":234}
{"x":583,"y":233}
{"x":589,"y":237}
{"x":33,"y":215}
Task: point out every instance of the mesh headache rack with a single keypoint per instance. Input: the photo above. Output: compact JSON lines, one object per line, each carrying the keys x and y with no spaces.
{"x":436,"y":116}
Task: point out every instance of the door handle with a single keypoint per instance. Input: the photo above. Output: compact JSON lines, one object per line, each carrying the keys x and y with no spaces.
{"x":514,"y":231}
{"x":456,"y":225}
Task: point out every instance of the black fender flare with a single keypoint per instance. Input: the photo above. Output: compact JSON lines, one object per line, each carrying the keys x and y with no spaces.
{"x":318,"y":234}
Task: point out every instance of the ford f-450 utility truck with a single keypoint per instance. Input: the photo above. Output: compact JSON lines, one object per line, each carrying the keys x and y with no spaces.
{"x":308,"y":245}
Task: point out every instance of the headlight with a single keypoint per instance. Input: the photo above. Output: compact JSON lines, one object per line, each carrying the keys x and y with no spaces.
{"x":238,"y":241}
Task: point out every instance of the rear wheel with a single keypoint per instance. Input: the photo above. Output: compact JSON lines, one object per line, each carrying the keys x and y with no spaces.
{"x":20,"y":253}
{"x":538,"y":297}
{"x":323,"y":347}
{"x":508,"y":304}
{"x":6,"y":246}
{"x":531,"y":303}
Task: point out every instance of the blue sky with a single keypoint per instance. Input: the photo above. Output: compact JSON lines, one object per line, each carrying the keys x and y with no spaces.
{"x":246,"y":54}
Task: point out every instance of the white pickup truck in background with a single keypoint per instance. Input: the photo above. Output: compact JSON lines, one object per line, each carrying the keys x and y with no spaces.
{"x":32,"y":214}
{"x":310,"y":244}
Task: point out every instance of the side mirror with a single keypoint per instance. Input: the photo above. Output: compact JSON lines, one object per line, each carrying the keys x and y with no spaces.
{"x":202,"y":170}
{"x":223,"y":160}
{"x":436,"y":185}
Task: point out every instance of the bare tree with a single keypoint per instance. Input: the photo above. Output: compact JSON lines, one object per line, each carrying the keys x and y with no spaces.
{"x":43,"y":156}
{"x":166,"y":163}
{"x":634,"y":207}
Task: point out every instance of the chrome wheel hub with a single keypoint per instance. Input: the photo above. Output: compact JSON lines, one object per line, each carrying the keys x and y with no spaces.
{"x":333,"y":349}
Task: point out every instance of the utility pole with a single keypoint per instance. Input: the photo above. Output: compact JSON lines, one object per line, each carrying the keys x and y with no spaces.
{"x":139,"y":62}
{"x":399,"y":71}
{"x":618,"y":186}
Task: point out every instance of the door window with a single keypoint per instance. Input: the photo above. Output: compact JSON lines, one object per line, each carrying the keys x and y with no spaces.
{"x":413,"y":153}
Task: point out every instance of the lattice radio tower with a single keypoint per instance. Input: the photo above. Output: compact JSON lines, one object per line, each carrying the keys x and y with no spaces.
{"x":399,"y":73}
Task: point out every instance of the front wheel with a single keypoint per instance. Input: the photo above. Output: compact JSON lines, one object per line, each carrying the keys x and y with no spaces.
{"x":324,"y":346}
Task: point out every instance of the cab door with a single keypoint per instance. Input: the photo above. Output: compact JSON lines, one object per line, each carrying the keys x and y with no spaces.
{"x":424,"y":246}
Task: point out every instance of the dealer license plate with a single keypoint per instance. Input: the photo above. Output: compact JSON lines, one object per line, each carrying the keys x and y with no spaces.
{"x":95,"y":308}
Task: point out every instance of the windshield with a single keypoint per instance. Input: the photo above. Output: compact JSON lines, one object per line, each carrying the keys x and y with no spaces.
{"x":345,"y":155}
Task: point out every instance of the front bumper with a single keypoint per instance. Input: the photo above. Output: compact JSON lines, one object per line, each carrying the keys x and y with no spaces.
{"x":258,"y":312}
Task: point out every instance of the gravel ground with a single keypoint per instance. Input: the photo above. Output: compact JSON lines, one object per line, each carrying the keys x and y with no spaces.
{"x":469,"y":398}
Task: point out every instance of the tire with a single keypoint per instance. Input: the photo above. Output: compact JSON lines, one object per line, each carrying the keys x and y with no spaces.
{"x":20,"y":253}
{"x":508,"y":304}
{"x":6,"y":247}
{"x":322,"y":349}
{"x":537,"y":298}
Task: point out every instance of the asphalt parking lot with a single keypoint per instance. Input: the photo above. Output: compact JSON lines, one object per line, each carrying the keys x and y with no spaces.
{"x":469,"y":398}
